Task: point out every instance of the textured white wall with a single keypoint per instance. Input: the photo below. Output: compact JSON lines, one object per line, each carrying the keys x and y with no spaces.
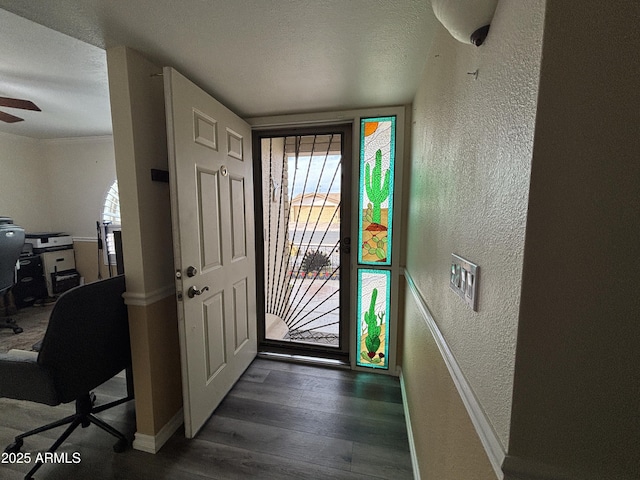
{"x":55,"y":185}
{"x":470,"y":166}
{"x":24,"y":185}
{"x":80,"y":171}
{"x":139,"y":132}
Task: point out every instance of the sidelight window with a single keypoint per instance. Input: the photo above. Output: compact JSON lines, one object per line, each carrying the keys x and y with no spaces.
{"x":377,"y":164}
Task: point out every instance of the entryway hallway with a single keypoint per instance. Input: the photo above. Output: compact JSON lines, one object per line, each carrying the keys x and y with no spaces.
{"x":280,"y":421}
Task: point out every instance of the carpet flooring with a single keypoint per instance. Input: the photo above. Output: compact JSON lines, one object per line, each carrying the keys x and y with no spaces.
{"x":33,"y":320}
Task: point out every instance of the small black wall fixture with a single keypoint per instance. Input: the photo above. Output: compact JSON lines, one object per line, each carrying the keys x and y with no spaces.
{"x":160,"y":175}
{"x":466,"y":20}
{"x":477,"y":37}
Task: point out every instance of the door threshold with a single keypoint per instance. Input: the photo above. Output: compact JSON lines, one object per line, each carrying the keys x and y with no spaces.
{"x":305,"y":359}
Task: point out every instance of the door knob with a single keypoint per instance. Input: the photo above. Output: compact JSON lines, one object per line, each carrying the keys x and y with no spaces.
{"x":192,"y":271}
{"x":193,"y":291}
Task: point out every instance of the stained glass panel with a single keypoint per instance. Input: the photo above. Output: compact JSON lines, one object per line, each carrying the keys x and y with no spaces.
{"x":373,"y":316}
{"x":377,"y":160}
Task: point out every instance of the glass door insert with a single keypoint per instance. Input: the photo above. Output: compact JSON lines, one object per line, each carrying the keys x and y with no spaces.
{"x":305,"y":223}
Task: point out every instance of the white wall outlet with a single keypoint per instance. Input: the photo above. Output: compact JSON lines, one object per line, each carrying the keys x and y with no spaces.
{"x":463,"y":280}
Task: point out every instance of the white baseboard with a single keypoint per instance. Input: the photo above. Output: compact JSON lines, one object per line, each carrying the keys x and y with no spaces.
{"x":490,"y":441}
{"x":407,"y":418}
{"x":153,"y":443}
{"x":144,"y":299}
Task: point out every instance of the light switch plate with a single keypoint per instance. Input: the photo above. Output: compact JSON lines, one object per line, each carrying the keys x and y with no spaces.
{"x":463,"y":279}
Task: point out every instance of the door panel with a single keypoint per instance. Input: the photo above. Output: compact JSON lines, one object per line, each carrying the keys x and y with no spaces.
{"x":212,"y":212}
{"x":235,"y":145}
{"x":240,"y":304}
{"x":209,"y":216}
{"x":213,"y":332}
{"x":238,"y":221}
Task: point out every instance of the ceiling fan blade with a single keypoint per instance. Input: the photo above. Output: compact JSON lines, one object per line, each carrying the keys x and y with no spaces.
{"x":8,"y":118}
{"x":17,"y":103}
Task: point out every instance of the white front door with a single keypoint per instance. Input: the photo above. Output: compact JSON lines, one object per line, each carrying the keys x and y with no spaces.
{"x":211,"y":178}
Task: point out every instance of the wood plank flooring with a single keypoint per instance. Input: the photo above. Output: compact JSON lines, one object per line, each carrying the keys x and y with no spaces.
{"x":280,"y":421}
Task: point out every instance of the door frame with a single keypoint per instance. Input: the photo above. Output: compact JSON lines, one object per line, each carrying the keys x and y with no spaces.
{"x":342,"y":353}
{"x":403,"y":144}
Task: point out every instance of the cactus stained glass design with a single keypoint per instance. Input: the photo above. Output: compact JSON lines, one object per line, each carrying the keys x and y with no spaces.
{"x":377,"y":160}
{"x":373,"y":316}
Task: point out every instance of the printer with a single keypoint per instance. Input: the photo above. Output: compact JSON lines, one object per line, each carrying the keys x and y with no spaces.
{"x":49,"y":241}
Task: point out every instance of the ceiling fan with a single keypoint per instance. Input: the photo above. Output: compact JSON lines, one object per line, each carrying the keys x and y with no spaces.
{"x":15,"y":103}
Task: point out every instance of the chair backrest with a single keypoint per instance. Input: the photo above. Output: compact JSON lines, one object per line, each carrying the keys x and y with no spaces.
{"x":11,"y":243}
{"x":87,"y":340}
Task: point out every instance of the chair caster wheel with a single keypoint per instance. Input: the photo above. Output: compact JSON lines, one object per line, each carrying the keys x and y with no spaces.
{"x":120,"y":446}
{"x":17,"y":330}
{"x":14,"y":447}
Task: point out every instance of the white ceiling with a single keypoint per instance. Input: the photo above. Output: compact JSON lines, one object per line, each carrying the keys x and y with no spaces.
{"x":258,"y":57}
{"x":65,"y":77}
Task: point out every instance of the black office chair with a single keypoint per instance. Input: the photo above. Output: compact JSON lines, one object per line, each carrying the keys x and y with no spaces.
{"x":11,"y":243}
{"x":86,"y":344}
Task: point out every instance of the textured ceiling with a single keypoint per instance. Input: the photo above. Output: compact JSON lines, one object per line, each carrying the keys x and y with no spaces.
{"x":65,"y":77}
{"x":258,"y":57}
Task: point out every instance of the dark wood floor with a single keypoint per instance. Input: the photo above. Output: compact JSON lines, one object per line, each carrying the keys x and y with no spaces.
{"x":280,"y":421}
